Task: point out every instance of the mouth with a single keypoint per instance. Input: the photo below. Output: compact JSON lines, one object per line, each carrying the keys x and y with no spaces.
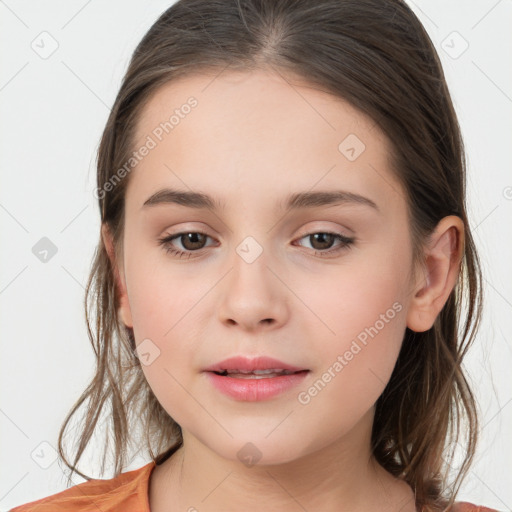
{"x":257,"y":374}
{"x":257,"y":379}
{"x":258,"y":367}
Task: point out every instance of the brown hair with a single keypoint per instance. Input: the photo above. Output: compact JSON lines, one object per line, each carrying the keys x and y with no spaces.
{"x":376,"y":55}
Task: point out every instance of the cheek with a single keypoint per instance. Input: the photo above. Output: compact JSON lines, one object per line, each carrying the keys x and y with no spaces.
{"x":167,"y":316}
{"x":356,"y":366}
{"x":159,"y":306}
{"x":352,"y":298}
{"x":363,"y":312}
{"x":161,"y":295}
{"x":165,"y":326}
{"x":166,"y":307}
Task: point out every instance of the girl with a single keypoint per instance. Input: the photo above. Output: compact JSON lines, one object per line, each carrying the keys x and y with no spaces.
{"x":282,"y":266}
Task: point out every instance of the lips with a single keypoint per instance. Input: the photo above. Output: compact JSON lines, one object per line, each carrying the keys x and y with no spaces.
{"x":253,"y":380}
{"x":254,"y":374}
{"x":259,"y":366}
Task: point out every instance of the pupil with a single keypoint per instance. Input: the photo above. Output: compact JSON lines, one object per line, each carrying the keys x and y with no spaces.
{"x":321,"y":236}
{"x":191,"y":238}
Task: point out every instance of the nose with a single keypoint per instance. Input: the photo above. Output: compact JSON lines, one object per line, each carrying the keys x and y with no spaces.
{"x":252,"y":296}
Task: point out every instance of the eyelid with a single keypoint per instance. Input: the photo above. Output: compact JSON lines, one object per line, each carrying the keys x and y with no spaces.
{"x":322,"y":229}
{"x":345,"y":243}
{"x":303,"y":232}
{"x":178,"y":234}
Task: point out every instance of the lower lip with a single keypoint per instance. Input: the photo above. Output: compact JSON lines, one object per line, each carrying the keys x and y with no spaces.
{"x":255,"y":390}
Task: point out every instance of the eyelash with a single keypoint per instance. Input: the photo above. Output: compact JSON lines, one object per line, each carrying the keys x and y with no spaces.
{"x":346,"y":243}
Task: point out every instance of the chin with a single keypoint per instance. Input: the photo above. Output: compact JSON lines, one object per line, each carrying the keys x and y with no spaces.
{"x":254,"y":449}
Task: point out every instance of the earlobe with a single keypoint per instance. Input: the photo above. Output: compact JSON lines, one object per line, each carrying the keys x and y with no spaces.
{"x":442,"y":263}
{"x":124,"y":306}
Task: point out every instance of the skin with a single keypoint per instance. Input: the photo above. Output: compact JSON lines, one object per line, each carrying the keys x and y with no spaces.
{"x":253,"y":139}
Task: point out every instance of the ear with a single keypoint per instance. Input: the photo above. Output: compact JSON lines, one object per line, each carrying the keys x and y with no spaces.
{"x":124,"y":306}
{"x":436,"y":282}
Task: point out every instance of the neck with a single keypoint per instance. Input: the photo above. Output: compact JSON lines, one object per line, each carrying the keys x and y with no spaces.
{"x":342,"y":476}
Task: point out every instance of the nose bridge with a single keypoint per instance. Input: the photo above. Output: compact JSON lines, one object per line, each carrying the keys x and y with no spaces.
{"x":249,"y":250}
{"x":252,"y":294}
{"x":250,"y":269}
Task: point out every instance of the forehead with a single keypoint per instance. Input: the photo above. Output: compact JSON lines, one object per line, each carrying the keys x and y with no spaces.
{"x":257,"y":130}
{"x":260,"y":96}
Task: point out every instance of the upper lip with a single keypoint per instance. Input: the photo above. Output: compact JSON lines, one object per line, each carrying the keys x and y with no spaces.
{"x":251,"y":364}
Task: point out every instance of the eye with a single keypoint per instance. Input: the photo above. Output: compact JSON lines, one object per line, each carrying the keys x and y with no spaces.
{"x":192,"y":241}
{"x":323,"y":241}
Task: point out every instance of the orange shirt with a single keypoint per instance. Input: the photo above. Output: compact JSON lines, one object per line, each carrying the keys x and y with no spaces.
{"x":128,"y":492}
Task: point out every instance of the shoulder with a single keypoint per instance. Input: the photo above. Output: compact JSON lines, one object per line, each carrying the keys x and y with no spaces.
{"x":127,"y":492}
{"x":464,"y":506}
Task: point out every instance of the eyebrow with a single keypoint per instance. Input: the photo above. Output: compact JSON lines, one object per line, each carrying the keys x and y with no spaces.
{"x":295,"y":201}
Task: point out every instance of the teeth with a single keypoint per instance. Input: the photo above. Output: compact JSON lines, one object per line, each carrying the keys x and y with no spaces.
{"x":256,"y":374}
{"x":260,"y":372}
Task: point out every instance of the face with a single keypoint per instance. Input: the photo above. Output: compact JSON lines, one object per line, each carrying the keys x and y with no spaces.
{"x":319,"y":285}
